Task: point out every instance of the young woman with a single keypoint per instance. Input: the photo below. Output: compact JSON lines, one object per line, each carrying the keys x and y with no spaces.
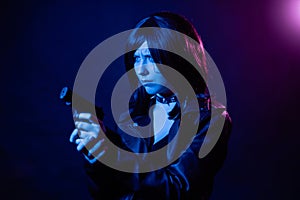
{"x":163,"y":117}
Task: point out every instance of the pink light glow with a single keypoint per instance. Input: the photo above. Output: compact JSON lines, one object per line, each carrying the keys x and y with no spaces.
{"x":293,"y":14}
{"x":285,"y":19}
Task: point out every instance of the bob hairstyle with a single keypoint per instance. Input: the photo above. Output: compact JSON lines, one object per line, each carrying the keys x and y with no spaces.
{"x":167,"y":39}
{"x":194,"y":51}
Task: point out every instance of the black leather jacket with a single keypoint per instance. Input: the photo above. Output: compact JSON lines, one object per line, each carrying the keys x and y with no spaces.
{"x":188,"y":177}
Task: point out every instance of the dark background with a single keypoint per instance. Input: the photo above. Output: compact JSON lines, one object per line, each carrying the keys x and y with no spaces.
{"x":43,"y":43}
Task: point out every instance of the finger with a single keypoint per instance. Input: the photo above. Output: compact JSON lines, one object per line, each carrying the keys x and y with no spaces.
{"x":85,"y":134}
{"x":88,"y":116}
{"x":77,"y":141}
{"x":95,"y":148}
{"x":74,"y":135}
{"x":82,"y":143}
{"x":99,"y":156}
{"x":90,"y":144}
{"x":85,"y":126}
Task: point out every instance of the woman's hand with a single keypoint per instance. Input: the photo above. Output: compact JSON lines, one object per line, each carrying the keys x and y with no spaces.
{"x":87,"y":136}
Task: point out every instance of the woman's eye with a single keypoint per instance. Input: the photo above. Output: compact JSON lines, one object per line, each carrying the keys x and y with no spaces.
{"x":137,"y":58}
{"x":149,"y":57}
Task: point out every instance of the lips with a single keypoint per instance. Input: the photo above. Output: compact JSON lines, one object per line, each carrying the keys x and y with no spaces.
{"x":146,"y":81}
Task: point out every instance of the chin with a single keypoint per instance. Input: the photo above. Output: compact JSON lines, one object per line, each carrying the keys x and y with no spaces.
{"x":151,"y":91}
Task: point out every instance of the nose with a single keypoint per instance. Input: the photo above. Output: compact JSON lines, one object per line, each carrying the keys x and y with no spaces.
{"x":142,"y":69}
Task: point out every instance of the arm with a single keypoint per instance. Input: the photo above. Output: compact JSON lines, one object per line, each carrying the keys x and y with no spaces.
{"x":187,"y":177}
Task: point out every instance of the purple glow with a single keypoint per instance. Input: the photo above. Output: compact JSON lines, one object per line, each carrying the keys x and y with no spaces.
{"x":293,"y":15}
{"x":285,"y":20}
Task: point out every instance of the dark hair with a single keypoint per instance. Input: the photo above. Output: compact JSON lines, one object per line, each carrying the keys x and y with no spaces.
{"x":194,"y":51}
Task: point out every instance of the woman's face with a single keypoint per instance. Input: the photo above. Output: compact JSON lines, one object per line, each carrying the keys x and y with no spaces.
{"x":148,"y":73}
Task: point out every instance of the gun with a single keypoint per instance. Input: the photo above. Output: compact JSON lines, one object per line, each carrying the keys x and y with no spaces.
{"x":66,"y":95}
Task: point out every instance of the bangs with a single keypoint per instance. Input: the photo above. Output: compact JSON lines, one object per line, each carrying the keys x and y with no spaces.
{"x":157,"y":40}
